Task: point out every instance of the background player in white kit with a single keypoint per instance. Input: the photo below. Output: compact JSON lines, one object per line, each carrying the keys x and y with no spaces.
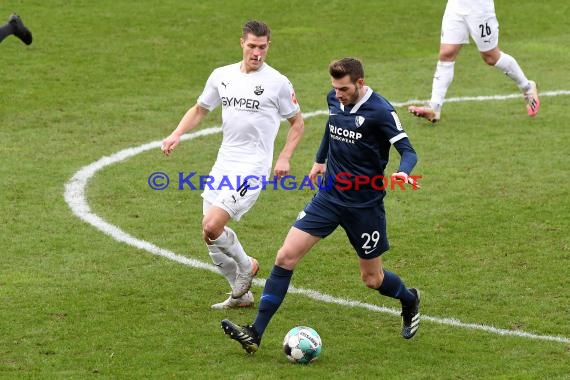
{"x":477,"y":18}
{"x":254,"y":98}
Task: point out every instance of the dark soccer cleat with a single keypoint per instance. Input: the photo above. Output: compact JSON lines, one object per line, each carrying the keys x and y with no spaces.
{"x":411,"y":317}
{"x":20,"y":29}
{"x":245,"y":335}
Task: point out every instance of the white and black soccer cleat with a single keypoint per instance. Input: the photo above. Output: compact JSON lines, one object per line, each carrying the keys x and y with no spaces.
{"x":411,"y":317}
{"x":245,"y":335}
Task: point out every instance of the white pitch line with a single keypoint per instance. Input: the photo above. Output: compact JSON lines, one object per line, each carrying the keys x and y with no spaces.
{"x":76,"y":199}
{"x":455,"y":100}
{"x":483,"y":98}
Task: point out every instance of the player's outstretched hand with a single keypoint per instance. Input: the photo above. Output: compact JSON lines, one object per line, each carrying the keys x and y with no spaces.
{"x":169,"y":144}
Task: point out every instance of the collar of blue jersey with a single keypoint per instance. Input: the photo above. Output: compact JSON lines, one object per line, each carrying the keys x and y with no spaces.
{"x":361,"y":102}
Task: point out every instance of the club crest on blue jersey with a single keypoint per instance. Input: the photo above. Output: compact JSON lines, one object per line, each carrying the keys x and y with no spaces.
{"x":258,"y":90}
{"x":358,"y":121}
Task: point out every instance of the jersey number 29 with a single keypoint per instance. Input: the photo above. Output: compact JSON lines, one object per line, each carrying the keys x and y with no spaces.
{"x":371,"y":241}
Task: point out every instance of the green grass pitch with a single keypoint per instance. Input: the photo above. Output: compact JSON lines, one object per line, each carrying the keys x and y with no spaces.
{"x":485,"y":239}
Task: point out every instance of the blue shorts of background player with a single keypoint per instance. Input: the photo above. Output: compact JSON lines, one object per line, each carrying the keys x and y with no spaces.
{"x":365,"y":227}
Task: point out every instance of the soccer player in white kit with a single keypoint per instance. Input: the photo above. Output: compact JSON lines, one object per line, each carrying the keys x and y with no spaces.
{"x":254,"y":98}
{"x":475,"y":18}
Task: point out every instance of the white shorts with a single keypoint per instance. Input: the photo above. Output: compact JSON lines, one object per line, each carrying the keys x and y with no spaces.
{"x":235,"y":202}
{"x":482,"y":27}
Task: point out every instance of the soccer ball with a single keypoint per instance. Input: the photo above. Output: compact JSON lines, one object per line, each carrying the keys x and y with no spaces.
{"x":302,"y":345}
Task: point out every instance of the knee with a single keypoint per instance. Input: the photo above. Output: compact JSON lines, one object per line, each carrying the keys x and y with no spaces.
{"x":286,"y":258}
{"x":448,"y":53}
{"x":372,"y":281}
{"x":211,"y":231}
{"x":491,"y":57}
{"x":489,"y":60}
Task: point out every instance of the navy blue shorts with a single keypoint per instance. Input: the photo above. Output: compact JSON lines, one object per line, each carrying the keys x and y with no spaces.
{"x":365,"y":227}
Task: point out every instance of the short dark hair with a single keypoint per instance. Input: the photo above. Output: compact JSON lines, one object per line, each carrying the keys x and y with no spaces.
{"x":347,"y":66}
{"x":257,"y":28}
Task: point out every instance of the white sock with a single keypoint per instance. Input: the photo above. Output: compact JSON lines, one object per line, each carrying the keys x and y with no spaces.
{"x":225,"y":264}
{"x":511,"y":68}
{"x":442,"y":79}
{"x":230,"y":245}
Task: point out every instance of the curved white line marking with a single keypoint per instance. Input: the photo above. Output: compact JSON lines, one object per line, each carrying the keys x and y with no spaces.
{"x":77,"y":201}
{"x":484,"y":98}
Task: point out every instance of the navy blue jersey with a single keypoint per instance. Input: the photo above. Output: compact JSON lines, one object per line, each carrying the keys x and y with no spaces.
{"x":356,"y":146}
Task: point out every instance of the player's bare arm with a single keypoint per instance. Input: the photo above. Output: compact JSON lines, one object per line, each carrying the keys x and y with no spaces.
{"x":282,"y":165}
{"x":189,"y":121}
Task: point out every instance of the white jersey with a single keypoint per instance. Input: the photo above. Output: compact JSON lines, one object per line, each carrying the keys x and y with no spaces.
{"x":253,"y":105}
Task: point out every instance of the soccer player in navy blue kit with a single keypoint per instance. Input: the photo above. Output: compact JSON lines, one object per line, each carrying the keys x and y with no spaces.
{"x":361,"y":128}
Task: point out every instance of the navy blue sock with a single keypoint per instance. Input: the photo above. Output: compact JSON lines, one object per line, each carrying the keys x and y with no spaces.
{"x":394,"y":287}
{"x":273,"y":294}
